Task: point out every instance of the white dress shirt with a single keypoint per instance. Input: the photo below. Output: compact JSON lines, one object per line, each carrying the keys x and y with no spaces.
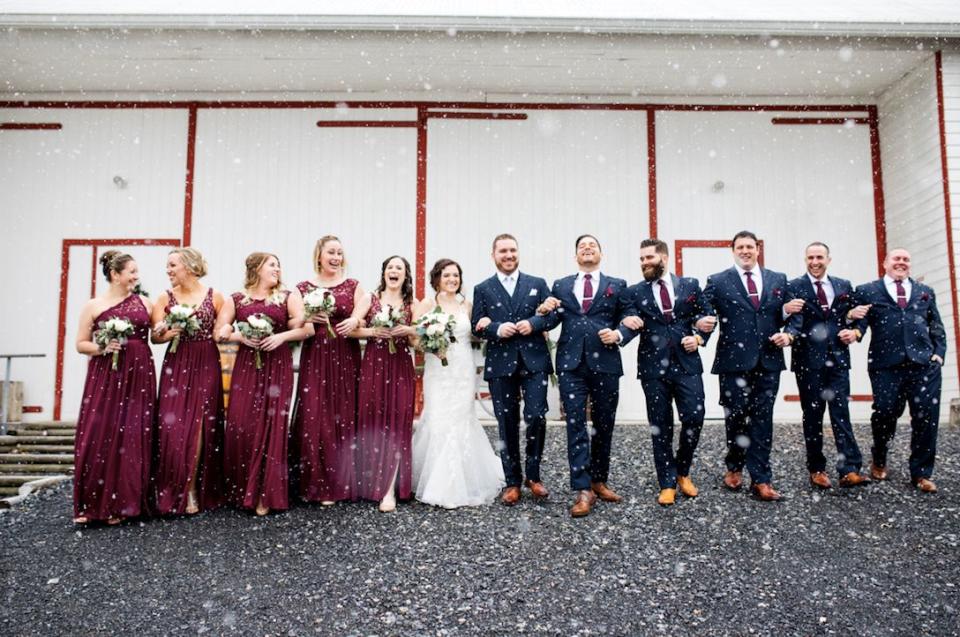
{"x":757,"y":279}
{"x":668,"y":283}
{"x":578,"y":285}
{"x":509,"y":281}
{"x":827,"y":287}
{"x":891,"y":286}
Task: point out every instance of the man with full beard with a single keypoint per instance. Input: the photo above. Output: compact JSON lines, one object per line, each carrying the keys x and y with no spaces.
{"x":668,"y":365}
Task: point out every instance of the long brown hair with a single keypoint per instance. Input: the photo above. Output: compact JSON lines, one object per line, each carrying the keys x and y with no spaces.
{"x":436,"y":273}
{"x":253,"y":264}
{"x":406,"y":289}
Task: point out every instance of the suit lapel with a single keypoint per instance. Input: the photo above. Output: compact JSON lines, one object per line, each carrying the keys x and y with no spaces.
{"x":914,"y":291}
{"x":571,"y":298}
{"x":598,"y":293}
{"x":518,"y":291}
{"x":499,"y":291}
{"x":767,"y":287}
{"x":646,"y":289}
{"x":739,"y":286}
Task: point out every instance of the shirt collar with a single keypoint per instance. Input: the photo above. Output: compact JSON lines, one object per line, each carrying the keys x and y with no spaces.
{"x":755,"y":270}
{"x":595,"y":275}
{"x":889,"y":280}
{"x":825,"y":280}
{"x":503,"y":277}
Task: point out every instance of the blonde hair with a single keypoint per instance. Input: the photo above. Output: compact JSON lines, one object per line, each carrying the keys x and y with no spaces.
{"x":192,"y":260}
{"x":318,"y":249}
{"x":253,"y":264}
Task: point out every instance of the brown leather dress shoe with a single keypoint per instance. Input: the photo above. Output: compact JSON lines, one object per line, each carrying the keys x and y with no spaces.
{"x":853,"y":479}
{"x":581,"y":507}
{"x":925,"y":485}
{"x":732,"y":480}
{"x":765,"y":492}
{"x":820,"y":480}
{"x":667,"y":497}
{"x":878,"y":473}
{"x":510,"y":496}
{"x":606,"y":493}
{"x":686,"y":487}
{"x":537,"y":489}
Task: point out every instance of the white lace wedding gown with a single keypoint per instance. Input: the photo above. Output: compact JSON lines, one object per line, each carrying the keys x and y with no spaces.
{"x":453,"y":463}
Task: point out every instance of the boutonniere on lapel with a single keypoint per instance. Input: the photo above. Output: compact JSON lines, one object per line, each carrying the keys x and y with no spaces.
{"x":609,"y":291}
{"x":777,"y":293}
{"x":843,"y":298}
{"x":691,"y":298}
{"x":924,"y":297}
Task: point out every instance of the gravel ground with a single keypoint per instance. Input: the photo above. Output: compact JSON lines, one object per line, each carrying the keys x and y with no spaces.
{"x":880,"y":560}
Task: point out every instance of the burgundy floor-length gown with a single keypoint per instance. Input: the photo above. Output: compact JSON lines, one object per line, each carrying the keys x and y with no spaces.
{"x":190,"y":414}
{"x":385,"y":416}
{"x":324,"y":426}
{"x":115,"y":425}
{"x":255,"y":435}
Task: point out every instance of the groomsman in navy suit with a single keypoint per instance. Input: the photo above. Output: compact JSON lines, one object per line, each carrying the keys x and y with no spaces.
{"x":668,"y":365}
{"x":517,"y":363}
{"x":750,"y":303}
{"x":820,"y":358}
{"x":590,"y":306}
{"x":906,"y":354}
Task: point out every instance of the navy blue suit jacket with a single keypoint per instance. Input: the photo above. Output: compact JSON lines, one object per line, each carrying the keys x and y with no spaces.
{"x":913,"y":334}
{"x":490,"y":299}
{"x":578,"y":337}
{"x":659,"y":339}
{"x":744,"y":331}
{"x":814,"y":333}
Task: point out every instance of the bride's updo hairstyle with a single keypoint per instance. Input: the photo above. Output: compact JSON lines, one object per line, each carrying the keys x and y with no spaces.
{"x":437,"y":272}
{"x":113,"y":261}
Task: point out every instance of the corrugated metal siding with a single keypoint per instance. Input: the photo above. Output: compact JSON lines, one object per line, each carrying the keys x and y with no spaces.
{"x":912,"y":177}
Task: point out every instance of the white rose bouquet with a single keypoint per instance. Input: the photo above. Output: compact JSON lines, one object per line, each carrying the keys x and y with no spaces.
{"x":113,"y":329}
{"x":182,"y":316}
{"x":388,"y":317}
{"x":435,"y":330}
{"x":256,"y":326}
{"x":320,"y":301}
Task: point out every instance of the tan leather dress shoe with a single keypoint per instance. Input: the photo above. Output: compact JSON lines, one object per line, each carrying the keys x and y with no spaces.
{"x":765,"y":492}
{"x":581,"y":507}
{"x":732,"y":480}
{"x":667,"y":497}
{"x":606,"y":493}
{"x":853,"y":479}
{"x":537,"y":489}
{"x":925,"y":485}
{"x":878,"y":473}
{"x":510,"y":496}
{"x":820,"y":480}
{"x":686,"y":487}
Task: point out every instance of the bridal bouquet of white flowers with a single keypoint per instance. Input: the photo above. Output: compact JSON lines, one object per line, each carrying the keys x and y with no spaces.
{"x":182,"y":316}
{"x":435,"y":330}
{"x":117,"y":329}
{"x":256,"y":326}
{"x":320,"y":301}
{"x":388,"y":317}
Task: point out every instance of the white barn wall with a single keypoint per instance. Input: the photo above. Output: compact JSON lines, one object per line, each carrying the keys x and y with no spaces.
{"x":951,"y":113}
{"x":59,"y":184}
{"x":912,"y":176}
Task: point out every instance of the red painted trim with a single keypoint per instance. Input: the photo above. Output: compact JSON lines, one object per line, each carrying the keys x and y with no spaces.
{"x":680,"y":244}
{"x":857,"y":398}
{"x":878,"y":205}
{"x":342,"y":123}
{"x":947,"y":211}
{"x":191,"y":172}
{"x":607,"y":106}
{"x":26,"y":126}
{"x":62,"y":312}
{"x":32,"y":409}
{"x":421,"y":241}
{"x":840,"y":121}
{"x":454,"y":115}
{"x":93,"y":272}
{"x":652,"y":171}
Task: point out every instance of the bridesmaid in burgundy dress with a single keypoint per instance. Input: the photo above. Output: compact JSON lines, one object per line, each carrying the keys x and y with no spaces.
{"x":187,"y":468}
{"x":387,"y":382}
{"x":323,"y":428}
{"x":115,"y":425}
{"x":255,"y":434}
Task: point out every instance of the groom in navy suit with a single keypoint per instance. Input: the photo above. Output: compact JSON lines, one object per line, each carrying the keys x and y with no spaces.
{"x":517,"y":363}
{"x":906,"y":354}
{"x":668,"y":365}
{"x":820,"y":358}
{"x":591,"y":307}
{"x":750,"y":303}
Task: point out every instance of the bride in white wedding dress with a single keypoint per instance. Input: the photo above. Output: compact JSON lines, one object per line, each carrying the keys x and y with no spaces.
{"x":453,"y":463}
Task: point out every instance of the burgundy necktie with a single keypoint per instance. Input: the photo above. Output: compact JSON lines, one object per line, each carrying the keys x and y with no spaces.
{"x":822,"y":297}
{"x":901,"y":295}
{"x":665,"y":302}
{"x":587,"y":292}
{"x":752,"y":290}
